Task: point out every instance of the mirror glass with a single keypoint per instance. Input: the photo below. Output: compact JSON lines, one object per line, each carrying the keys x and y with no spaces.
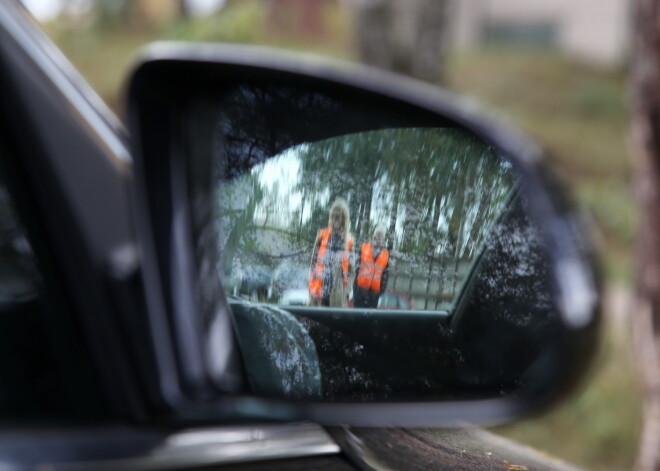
{"x":388,"y":219}
{"x":367,"y":249}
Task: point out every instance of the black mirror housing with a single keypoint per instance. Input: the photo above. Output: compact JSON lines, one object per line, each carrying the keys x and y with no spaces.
{"x":232,"y":143}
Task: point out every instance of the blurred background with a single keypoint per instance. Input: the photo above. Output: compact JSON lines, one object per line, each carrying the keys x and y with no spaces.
{"x":556,"y":69}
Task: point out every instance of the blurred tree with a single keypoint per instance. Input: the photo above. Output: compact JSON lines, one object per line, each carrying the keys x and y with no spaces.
{"x":645,"y":130}
{"x":406,"y":36}
{"x":301,"y":16}
{"x":182,"y":8}
{"x":112,"y":13}
{"x":136,"y":14}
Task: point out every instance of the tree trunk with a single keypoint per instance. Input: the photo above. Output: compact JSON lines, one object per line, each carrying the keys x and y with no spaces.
{"x":393,"y":217}
{"x":406,"y":36}
{"x":301,"y":16}
{"x":182,"y":8}
{"x":645,"y":130}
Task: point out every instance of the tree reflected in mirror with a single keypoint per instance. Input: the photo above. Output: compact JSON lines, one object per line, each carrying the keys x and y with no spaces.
{"x":435,"y":192}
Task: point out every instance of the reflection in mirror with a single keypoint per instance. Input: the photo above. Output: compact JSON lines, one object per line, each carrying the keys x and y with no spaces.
{"x":368,"y":251}
{"x":389,"y":219}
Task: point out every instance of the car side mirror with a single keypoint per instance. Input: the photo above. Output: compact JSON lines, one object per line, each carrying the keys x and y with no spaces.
{"x":330,"y":242}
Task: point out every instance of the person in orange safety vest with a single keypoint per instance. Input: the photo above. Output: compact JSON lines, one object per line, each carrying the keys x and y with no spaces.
{"x":331,"y":265}
{"x":372,"y":271}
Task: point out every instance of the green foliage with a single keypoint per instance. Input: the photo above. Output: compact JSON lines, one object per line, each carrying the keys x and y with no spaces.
{"x":600,"y":99}
{"x":239,"y":22}
{"x":104,"y":67}
{"x":613,"y":206}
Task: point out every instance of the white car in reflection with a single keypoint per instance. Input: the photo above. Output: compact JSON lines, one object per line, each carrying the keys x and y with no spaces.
{"x":289,"y":282}
{"x":294,"y":297}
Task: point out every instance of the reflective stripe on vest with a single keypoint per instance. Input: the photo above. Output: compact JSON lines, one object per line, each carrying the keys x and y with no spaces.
{"x":366,"y":274}
{"x":316,"y":277}
{"x":371,"y":272}
{"x":379,"y":267}
{"x":344,"y":261}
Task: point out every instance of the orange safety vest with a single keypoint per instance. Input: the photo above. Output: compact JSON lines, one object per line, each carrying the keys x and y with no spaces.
{"x":316,"y":277}
{"x":371,"y":272}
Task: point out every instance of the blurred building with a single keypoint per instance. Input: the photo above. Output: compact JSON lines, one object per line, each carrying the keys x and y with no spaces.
{"x":595,"y":31}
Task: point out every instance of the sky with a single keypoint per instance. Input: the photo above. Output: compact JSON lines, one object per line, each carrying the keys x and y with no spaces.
{"x":45,"y":10}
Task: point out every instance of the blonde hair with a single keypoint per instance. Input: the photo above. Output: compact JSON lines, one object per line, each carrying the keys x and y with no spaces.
{"x":341,"y":205}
